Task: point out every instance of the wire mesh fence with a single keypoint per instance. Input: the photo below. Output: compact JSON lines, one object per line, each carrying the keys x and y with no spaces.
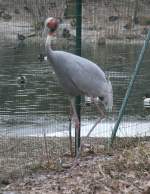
{"x":34,"y":111}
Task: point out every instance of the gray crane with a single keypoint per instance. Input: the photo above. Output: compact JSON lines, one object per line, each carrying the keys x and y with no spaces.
{"x":78,"y":76}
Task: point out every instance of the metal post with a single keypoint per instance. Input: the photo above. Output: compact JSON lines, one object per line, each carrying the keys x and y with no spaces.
{"x":78,"y":52}
{"x":125,"y":100}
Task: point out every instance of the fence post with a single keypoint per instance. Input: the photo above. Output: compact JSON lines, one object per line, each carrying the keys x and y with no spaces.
{"x":78,"y":52}
{"x":130,"y":86}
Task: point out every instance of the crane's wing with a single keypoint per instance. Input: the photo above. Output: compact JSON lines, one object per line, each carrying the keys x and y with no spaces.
{"x":79,"y":74}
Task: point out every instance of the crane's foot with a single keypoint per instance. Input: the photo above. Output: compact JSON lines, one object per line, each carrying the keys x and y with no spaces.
{"x":75,"y":164}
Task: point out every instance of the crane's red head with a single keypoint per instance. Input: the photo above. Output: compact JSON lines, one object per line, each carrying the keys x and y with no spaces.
{"x":52,"y":24}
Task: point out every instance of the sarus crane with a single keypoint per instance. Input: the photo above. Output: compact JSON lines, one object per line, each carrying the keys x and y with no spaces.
{"x":78,"y":75}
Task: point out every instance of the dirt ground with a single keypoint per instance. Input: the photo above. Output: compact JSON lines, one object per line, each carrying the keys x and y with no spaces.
{"x":123,"y":170}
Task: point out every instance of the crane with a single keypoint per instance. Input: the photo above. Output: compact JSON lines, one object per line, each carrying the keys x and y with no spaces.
{"x":78,"y":75}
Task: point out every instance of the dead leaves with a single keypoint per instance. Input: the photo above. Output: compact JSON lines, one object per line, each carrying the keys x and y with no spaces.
{"x":125,"y":172}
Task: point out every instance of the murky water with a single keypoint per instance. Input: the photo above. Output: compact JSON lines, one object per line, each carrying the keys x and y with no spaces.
{"x":40,"y":103}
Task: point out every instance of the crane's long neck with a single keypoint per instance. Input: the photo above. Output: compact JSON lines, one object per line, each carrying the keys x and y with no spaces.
{"x":48,"y":48}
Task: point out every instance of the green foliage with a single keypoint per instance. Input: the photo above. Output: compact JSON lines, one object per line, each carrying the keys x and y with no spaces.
{"x":144,"y":20}
{"x":36,"y":167}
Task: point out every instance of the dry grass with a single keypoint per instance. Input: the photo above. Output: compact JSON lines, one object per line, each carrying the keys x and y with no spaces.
{"x":124,"y":169}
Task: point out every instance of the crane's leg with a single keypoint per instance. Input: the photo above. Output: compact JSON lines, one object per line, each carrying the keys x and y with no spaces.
{"x":75,"y":116}
{"x":76,"y":162}
{"x":70,"y":135}
{"x":77,"y":127}
{"x":77,"y":124}
{"x":99,"y":119}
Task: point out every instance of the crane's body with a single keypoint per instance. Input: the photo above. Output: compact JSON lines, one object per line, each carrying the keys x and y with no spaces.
{"x":82,"y":77}
{"x":79,"y":76}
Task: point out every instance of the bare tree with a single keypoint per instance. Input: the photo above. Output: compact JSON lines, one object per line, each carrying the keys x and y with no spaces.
{"x":40,"y":9}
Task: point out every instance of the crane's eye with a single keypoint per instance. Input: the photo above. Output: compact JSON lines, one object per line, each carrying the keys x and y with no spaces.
{"x":101,"y":98}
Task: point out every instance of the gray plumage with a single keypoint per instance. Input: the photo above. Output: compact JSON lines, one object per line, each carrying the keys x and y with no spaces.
{"x":80,"y":76}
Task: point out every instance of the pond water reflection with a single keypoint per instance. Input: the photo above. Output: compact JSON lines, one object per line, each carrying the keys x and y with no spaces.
{"x":40,"y":101}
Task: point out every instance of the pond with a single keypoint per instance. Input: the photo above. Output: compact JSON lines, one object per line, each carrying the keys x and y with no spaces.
{"x":40,"y":103}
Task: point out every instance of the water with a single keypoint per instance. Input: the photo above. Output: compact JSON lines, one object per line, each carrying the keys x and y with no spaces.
{"x":40,"y":106}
